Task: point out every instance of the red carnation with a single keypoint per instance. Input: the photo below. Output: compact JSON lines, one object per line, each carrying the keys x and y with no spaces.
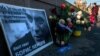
{"x":72,"y":9}
{"x":63,"y":6}
{"x":53,"y":10}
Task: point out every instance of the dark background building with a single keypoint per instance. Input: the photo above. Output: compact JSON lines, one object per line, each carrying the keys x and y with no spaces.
{"x":39,"y":4}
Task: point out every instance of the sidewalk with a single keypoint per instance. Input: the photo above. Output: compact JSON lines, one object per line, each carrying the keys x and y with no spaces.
{"x":87,"y":45}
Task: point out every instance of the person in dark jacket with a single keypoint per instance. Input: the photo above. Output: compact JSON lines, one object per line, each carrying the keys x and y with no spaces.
{"x":95,"y":10}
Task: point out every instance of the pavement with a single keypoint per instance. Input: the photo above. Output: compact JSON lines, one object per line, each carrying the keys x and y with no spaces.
{"x":86,"y":45}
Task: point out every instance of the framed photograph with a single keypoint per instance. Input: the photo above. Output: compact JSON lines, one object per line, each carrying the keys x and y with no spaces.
{"x":26,"y":30}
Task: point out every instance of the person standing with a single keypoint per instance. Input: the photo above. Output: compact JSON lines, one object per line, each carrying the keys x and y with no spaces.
{"x":95,"y":10}
{"x":98,"y":18}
